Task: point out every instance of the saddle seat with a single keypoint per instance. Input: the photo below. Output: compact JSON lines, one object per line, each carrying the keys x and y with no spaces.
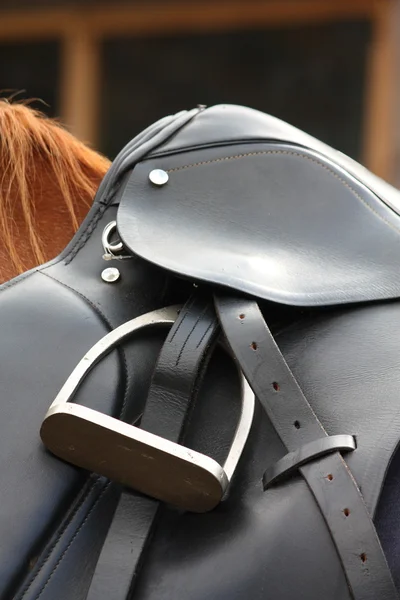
{"x":273,"y":216}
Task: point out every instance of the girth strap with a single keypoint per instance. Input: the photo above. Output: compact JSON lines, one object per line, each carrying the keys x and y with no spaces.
{"x":329,"y":478}
{"x":177,"y":376}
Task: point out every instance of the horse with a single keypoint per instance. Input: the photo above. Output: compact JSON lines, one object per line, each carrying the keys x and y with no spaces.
{"x":48,"y":182}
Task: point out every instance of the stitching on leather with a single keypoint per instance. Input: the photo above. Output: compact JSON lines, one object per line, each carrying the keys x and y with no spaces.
{"x":80,"y":243}
{"x":9,"y":284}
{"x":205,"y":333}
{"x":91,"y":226}
{"x":72,"y":541}
{"x":185,"y":342}
{"x":182,"y":321}
{"x":27,"y":587}
{"x":290,"y":153}
{"x":95,"y":308}
{"x":199,"y":318}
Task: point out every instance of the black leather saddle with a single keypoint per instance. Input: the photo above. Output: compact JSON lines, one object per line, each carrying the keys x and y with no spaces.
{"x":200,"y":395}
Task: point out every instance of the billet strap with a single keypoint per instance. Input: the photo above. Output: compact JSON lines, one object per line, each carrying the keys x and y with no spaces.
{"x":176,"y":379}
{"x":329,"y":479}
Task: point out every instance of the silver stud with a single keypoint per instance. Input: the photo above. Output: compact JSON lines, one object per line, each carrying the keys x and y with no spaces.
{"x":110,"y":275}
{"x":158,"y":177}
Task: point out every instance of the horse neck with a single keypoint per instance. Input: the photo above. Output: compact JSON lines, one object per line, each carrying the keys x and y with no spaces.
{"x":52,"y":220}
{"x":47,"y":183}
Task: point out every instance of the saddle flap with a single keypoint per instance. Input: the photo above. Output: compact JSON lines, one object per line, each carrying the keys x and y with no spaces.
{"x":276,"y":221}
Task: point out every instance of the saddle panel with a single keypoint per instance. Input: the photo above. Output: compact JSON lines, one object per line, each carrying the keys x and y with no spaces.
{"x":44,"y":326}
{"x":278,"y":222}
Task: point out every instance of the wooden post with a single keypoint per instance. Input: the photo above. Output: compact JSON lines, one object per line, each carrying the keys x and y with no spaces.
{"x":395,"y":174}
{"x":80,"y":80}
{"x":380,"y":121}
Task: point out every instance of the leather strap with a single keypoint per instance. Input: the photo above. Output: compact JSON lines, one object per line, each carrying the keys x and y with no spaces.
{"x":292,"y":461}
{"x":177,"y":376}
{"x":128,"y":535}
{"x":329,"y":478}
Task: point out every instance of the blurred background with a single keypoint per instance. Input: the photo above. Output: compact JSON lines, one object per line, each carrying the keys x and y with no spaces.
{"x":109,"y":68}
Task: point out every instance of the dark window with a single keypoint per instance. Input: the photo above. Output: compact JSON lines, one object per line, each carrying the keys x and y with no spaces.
{"x":312,"y":76}
{"x":33,"y":69}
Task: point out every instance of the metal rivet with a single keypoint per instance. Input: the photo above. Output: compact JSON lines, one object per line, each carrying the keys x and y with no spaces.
{"x":110,"y":275}
{"x":158,"y":177}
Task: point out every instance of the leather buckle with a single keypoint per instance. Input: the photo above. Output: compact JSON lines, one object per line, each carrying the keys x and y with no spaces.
{"x":131,"y":456}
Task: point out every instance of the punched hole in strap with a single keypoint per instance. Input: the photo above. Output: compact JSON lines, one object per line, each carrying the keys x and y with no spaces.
{"x":307,"y":453}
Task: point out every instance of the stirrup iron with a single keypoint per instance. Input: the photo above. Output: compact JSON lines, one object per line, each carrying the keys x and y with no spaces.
{"x":131,"y":456}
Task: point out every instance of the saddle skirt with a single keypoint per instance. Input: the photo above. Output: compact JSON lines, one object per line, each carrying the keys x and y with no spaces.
{"x":278,"y":256}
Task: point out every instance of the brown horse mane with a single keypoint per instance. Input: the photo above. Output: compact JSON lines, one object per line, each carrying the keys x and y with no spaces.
{"x":32,"y":145}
